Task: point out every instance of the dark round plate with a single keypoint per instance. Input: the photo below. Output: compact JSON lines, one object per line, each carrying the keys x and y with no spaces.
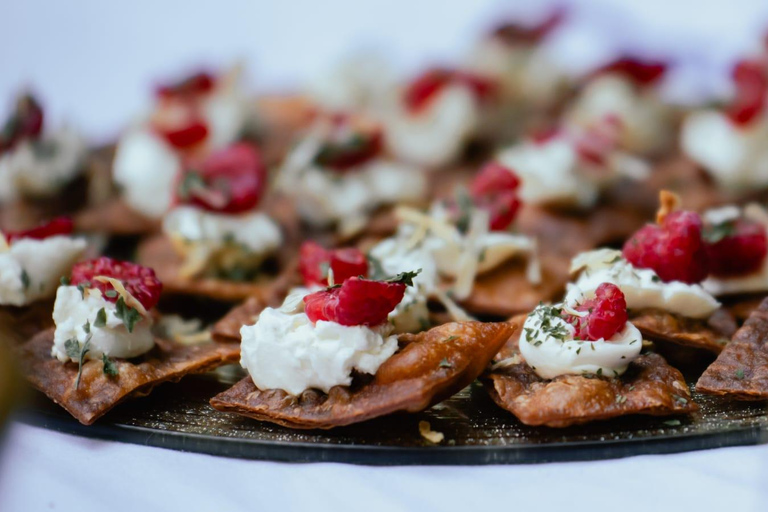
{"x":177,"y":416}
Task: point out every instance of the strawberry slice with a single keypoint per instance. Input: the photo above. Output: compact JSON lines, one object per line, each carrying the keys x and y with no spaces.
{"x":231,"y":180}
{"x":58,"y":226}
{"x":138,"y":280}
{"x":315,"y":261}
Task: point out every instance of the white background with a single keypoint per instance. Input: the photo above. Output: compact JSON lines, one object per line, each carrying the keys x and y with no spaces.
{"x":93,"y":62}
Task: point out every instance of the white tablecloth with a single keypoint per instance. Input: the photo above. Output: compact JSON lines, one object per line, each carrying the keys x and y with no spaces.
{"x":44,"y":470}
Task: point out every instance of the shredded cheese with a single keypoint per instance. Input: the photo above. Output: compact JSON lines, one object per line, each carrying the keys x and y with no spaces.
{"x":430,"y":435}
{"x":129,"y":299}
{"x":457,"y":314}
{"x":668,"y":202}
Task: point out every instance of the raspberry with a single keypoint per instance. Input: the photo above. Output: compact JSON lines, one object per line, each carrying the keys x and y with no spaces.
{"x":595,"y":144}
{"x":197,"y":84}
{"x":642,"y":73}
{"x":607,"y":314}
{"x":751,"y":81}
{"x":315,"y":260}
{"x":139,"y":281}
{"x":494,"y":189}
{"x":736,"y":248}
{"x":514,"y":34}
{"x":675,"y":249}
{"x":356,"y":302}
{"x":186,"y":136}
{"x":351,"y":150}
{"x":231,"y":180}
{"x":58,"y":226}
{"x":26,"y":122}
{"x":426,"y":86}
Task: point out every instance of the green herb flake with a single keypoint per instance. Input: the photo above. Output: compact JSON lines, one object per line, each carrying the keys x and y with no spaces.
{"x":111,"y":294}
{"x":444,"y":363}
{"x":740,"y":374}
{"x":672,"y":423}
{"x":405,"y":278}
{"x":101,"y":318}
{"x":450,"y":338}
{"x":127,"y":314}
{"x":25,"y":279}
{"x":82,"y":287}
{"x":64,"y":281}
{"x":109,"y":366}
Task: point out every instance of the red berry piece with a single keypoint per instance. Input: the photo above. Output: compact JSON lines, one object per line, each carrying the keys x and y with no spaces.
{"x":596,"y":143}
{"x":356,"y":302}
{"x":514,"y":34}
{"x":231,"y":180}
{"x":58,"y":226}
{"x":138,"y":280}
{"x":751,"y":81}
{"x":426,"y":86}
{"x":642,"y":73}
{"x":26,"y":122}
{"x":315,"y":261}
{"x":195,"y":85}
{"x":186,"y":136}
{"x":675,"y":250}
{"x":351,"y":149}
{"x":606,"y":314}
{"x":736,"y":248}
{"x":494,"y":189}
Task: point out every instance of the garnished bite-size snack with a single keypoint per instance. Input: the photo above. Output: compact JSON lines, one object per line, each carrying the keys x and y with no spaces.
{"x":573,"y":363}
{"x":741,"y":369}
{"x":32,"y":261}
{"x":329,"y":360}
{"x":102,"y":349}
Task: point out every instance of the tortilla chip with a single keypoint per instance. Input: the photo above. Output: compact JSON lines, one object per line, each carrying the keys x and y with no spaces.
{"x":506,"y":290}
{"x":707,"y":335}
{"x":18,"y":324}
{"x":741,"y":369}
{"x":228,"y":328}
{"x":650,"y":386}
{"x":741,"y":306}
{"x":433,"y":366}
{"x":98,"y":393}
{"x":114,"y":217}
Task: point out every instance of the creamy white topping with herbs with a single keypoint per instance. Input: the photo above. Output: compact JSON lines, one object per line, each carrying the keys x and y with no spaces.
{"x":145,"y":167}
{"x":88,"y":326}
{"x":30,"y":269}
{"x":42,"y":167}
{"x":436,"y":135}
{"x":735,"y":156}
{"x":642,"y":288}
{"x":284,"y":350}
{"x":548,"y":346}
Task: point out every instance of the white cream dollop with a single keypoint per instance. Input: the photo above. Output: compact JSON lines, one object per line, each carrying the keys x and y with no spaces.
{"x":642,"y":287}
{"x":284,"y":350}
{"x":437,"y":135}
{"x":30,"y":269}
{"x":146,"y":167}
{"x":359,"y":82}
{"x":548,"y":346}
{"x":42,"y":167}
{"x":73,"y":310}
{"x":735,"y":156}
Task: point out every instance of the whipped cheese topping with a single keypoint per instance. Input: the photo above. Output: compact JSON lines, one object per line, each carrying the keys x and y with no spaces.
{"x":145,"y":167}
{"x":436,"y":135}
{"x":42,"y":167}
{"x":548,"y":346}
{"x":226,"y":112}
{"x":284,"y":350}
{"x":73,"y":310}
{"x":735,"y":156}
{"x":31,"y":269}
{"x":642,"y":287}
{"x":643,"y":116}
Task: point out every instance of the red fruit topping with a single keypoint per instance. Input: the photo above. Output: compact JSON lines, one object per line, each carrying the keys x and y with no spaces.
{"x":751,"y":81}
{"x":139,"y":281}
{"x":675,"y":250}
{"x":356,"y":302}
{"x":642,"y":73}
{"x":494,"y":189}
{"x":426,"y":86}
{"x":545,"y":135}
{"x":231,"y":180}
{"x":607,"y":314}
{"x":514,"y":33}
{"x":349,"y":149}
{"x":315,"y":261}
{"x":736,"y":248}
{"x":197,"y":84}
{"x":58,"y":226}
{"x":186,"y":136}
{"x":26,"y":122}
{"x":599,"y":140}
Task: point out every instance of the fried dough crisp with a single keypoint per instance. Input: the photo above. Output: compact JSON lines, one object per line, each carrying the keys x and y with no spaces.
{"x":741,"y":369}
{"x":114,"y":217}
{"x":650,"y":386}
{"x":433,"y":366}
{"x":709,"y":335}
{"x":228,"y":327}
{"x":98,"y":393}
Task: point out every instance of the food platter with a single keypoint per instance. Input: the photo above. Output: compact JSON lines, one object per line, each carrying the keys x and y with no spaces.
{"x":177,"y":416}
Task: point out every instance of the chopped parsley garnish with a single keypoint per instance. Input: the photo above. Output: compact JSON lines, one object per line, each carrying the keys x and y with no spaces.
{"x":405,"y":278}
{"x":714,"y":234}
{"x":75,"y":351}
{"x":740,"y":374}
{"x":451,"y":338}
{"x":25,"y":279}
{"x":672,"y":423}
{"x":111,"y":294}
{"x":64,"y":281}
{"x":109,"y":366}
{"x":82,"y":287}
{"x":444,"y":363}
{"x":127,"y":314}
{"x":620,"y":399}
{"x":101,"y":318}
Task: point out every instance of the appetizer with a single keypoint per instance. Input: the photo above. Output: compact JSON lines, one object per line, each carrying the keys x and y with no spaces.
{"x":573,"y":363}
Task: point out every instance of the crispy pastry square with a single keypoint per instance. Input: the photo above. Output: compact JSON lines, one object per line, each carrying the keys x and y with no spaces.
{"x":709,"y":335}
{"x":741,"y":369}
{"x":431,"y":367}
{"x":98,"y":393}
{"x":228,"y":327}
{"x":114,"y":217}
{"x":650,"y":386}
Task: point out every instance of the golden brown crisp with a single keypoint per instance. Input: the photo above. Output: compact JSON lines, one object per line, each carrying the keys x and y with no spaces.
{"x":433,"y":366}
{"x":741,"y":369}
{"x":114,"y":217}
{"x":708,"y":335}
{"x":98,"y":393}
{"x":650,"y":386}
{"x":228,"y":328}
